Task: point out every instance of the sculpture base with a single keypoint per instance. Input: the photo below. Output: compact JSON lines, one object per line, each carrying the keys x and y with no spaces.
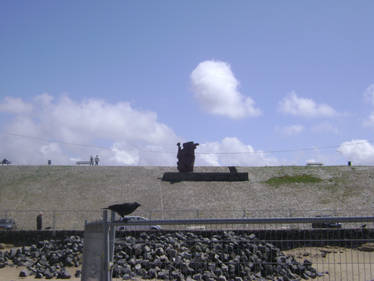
{"x":177,"y":177}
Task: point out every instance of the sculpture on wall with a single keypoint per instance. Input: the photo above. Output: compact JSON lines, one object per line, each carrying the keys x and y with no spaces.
{"x":186,"y":156}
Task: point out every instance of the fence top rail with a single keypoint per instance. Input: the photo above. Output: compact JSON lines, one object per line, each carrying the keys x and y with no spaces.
{"x":245,"y":221}
{"x":51,"y":211}
{"x":197,"y":210}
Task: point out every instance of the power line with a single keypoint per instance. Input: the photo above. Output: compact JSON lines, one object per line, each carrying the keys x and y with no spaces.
{"x":56,"y":141}
{"x":198,"y":153}
{"x":77,"y":144}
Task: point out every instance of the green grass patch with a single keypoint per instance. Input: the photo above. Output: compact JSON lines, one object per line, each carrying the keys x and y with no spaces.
{"x":277,"y":181}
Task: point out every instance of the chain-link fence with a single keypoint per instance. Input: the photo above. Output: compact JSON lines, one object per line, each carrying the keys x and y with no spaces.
{"x":270,"y":253}
{"x":52,"y":219}
{"x":75,"y":219}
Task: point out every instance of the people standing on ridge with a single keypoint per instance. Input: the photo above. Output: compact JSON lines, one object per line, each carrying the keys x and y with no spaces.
{"x":91,"y":160}
{"x":5,"y":162}
{"x":39,"y":221}
{"x":97,"y":160}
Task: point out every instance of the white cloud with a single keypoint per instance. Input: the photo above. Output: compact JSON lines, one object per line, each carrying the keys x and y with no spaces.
{"x":231,"y":151}
{"x":369,"y":94}
{"x":117,"y":132}
{"x":216,"y":89}
{"x":65,"y":130}
{"x":358,"y":151}
{"x":125,"y":155}
{"x":369,"y":97}
{"x":325,"y":127}
{"x":369,"y":122}
{"x":15,"y":105}
{"x":291,"y":130}
{"x":304,"y":107}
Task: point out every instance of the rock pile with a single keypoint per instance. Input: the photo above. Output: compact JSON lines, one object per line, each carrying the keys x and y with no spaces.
{"x":46,"y":259}
{"x":169,"y":256}
{"x":220,"y":256}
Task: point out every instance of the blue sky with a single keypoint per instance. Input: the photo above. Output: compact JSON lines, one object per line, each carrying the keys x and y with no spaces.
{"x":129,"y":79}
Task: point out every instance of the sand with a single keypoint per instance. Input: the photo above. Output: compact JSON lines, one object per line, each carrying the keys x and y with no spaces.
{"x":12,"y":273}
{"x":340,"y":263}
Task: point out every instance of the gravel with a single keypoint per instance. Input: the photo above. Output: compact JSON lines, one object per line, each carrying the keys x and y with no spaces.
{"x":168,"y":256}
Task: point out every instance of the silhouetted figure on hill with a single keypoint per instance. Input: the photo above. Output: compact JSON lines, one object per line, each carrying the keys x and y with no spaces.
{"x":5,"y":162}
{"x":186,"y":156}
{"x":124,"y":209}
{"x":91,"y":160}
{"x":97,"y":160}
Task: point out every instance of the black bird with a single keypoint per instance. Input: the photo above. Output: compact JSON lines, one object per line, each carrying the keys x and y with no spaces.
{"x":124,"y":209}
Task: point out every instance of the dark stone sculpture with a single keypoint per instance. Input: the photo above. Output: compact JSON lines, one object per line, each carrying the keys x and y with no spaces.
{"x":186,"y":156}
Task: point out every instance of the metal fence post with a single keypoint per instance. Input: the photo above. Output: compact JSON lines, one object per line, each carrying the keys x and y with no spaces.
{"x":112,"y":237}
{"x":54,"y":219}
{"x":106,"y":271}
{"x":289,"y":212}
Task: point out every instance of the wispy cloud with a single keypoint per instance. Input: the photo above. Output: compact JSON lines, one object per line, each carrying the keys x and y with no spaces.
{"x":369,"y":94}
{"x":369,"y":122}
{"x":15,"y":105}
{"x":325,"y":128}
{"x":294,"y":105}
{"x":216,"y":90}
{"x":291,"y":130}
{"x":248,"y":156}
{"x":369,"y":97}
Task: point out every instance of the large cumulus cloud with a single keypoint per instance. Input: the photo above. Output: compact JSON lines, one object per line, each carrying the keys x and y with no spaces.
{"x":65,"y":130}
{"x":360,"y":151}
{"x":216,"y":90}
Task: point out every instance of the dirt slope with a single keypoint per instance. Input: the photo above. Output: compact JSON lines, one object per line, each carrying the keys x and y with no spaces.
{"x":70,"y":194}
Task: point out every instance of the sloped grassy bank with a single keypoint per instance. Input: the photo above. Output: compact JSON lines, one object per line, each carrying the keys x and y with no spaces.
{"x":287,"y":179}
{"x":68,"y":195}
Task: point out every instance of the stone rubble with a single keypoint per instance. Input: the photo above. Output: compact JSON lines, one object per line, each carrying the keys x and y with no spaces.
{"x":168,"y":256}
{"x":46,"y":259}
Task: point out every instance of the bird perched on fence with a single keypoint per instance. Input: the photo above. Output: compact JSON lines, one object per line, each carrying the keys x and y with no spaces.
{"x":124,"y":209}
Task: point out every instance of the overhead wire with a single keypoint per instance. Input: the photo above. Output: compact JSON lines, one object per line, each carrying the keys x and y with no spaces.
{"x":201,"y":153}
{"x":55,"y":141}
